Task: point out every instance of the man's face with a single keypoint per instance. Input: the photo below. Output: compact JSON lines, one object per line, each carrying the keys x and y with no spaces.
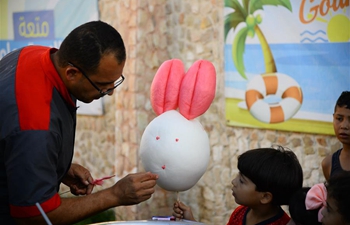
{"x":108,"y":72}
{"x":341,"y":124}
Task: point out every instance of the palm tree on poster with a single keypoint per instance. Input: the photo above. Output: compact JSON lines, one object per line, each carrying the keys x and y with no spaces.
{"x":244,"y":13}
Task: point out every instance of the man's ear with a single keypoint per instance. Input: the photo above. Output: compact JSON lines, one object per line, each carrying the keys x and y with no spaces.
{"x":71,"y":73}
{"x":266,"y":198}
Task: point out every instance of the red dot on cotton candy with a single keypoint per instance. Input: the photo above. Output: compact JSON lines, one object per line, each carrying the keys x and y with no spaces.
{"x":163,"y":167}
{"x":176,"y":139}
{"x":157,"y":138}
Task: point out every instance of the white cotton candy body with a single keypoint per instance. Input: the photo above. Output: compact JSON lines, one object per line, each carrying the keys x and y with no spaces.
{"x":175,"y":148}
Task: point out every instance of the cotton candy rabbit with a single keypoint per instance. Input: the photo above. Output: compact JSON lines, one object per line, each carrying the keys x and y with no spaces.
{"x":174,"y":145}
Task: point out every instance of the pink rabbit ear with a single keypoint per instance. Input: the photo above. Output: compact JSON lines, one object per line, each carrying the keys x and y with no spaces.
{"x":197,"y":89}
{"x":166,"y":85}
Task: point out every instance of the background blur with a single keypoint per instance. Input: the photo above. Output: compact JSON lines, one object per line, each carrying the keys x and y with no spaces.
{"x":109,"y":132}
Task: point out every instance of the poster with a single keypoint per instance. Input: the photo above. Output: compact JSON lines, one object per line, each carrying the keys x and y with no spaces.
{"x":47,"y":23}
{"x":286,"y":63}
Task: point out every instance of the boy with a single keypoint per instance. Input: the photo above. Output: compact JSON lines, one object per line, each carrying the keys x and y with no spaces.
{"x":340,"y":160}
{"x":267,"y":178}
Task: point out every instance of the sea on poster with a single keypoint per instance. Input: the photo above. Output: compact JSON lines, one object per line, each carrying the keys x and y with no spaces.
{"x":286,"y":63}
{"x":47,"y":23}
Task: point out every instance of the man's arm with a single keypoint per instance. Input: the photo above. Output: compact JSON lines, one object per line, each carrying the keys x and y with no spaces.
{"x":130,"y":190}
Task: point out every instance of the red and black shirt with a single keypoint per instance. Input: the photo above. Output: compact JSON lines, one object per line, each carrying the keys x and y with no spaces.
{"x":37,"y":131}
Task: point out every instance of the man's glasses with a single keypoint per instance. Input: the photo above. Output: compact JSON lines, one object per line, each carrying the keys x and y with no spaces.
{"x":103,"y":93}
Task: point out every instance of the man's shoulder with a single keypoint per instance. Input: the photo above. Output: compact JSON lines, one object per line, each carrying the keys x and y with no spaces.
{"x":34,"y":49}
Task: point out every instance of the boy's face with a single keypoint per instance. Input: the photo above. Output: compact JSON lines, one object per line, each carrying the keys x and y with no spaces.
{"x":331,"y":216}
{"x":243,"y":189}
{"x":341,"y":124}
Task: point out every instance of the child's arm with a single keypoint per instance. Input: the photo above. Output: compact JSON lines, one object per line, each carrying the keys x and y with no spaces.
{"x":182,"y":211}
{"x":326,"y":166}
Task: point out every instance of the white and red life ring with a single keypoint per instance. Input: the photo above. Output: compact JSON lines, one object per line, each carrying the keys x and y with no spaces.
{"x":277,"y":84}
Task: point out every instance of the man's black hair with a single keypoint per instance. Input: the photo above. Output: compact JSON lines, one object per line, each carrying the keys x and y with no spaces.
{"x":85,"y":45}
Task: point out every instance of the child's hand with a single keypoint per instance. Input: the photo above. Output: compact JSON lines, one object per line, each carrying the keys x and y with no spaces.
{"x":182,"y":211}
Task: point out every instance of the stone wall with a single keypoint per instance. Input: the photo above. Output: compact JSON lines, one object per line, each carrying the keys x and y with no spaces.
{"x":155,"y":31}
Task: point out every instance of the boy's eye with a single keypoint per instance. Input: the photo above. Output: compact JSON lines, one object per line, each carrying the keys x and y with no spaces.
{"x":339,"y":118}
{"x":240,"y":180}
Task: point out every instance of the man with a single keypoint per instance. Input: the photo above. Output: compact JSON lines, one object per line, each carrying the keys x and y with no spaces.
{"x":38,"y":91}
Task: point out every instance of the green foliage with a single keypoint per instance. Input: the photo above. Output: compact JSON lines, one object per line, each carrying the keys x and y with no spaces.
{"x":238,"y":16}
{"x":104,"y":216}
{"x":258,"y":4}
{"x":234,"y":4}
{"x":238,"y":47}
{"x":244,"y":13}
{"x":241,"y":12}
{"x":232,"y":20}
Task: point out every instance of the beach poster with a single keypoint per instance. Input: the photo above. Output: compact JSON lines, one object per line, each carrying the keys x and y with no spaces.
{"x":286,"y":63}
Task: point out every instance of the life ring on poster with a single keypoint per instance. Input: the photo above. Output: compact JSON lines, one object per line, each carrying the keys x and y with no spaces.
{"x":281,"y":86}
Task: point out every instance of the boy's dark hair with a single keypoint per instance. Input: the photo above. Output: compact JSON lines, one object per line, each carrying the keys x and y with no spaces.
{"x":85,"y":45}
{"x":338,"y":188}
{"x":277,"y":171}
{"x":298,"y":211}
{"x":343,"y":100}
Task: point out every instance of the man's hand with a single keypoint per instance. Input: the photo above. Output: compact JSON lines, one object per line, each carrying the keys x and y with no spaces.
{"x":134,"y":188}
{"x":79,"y":180}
